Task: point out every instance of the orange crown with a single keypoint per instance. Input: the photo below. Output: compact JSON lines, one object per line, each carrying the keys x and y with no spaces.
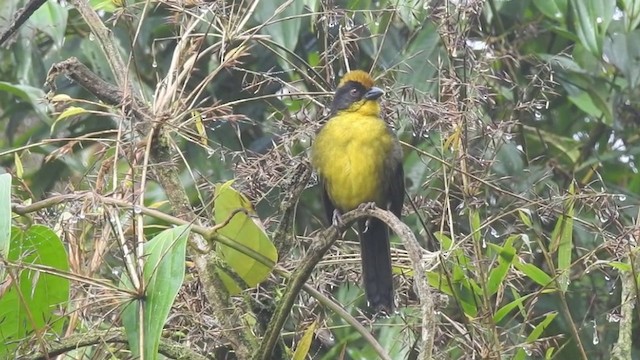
{"x":358,"y":76}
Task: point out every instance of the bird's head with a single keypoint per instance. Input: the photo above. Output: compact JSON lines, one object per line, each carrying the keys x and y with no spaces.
{"x":356,"y":93}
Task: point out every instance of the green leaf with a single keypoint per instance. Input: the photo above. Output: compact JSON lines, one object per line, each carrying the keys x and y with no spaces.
{"x":549,"y":354}
{"x":506,"y":255}
{"x":506,"y":309}
{"x":32,"y":304}
{"x":623,"y":51}
{"x":561,"y":62}
{"x":619,"y":265}
{"x":466,"y":290}
{"x":569,"y":147}
{"x":583,"y":101}
{"x":51,"y":19}
{"x":103,"y":5}
{"x":508,"y":160}
{"x":5,"y":218}
{"x":283,"y":21}
{"x":590,"y":94}
{"x":71,"y":111}
{"x":439,"y":282}
{"x":536,"y":332}
{"x":590,"y":64}
{"x":313,"y":59}
{"x":68,"y":112}
{"x":467,"y":298}
{"x":562,"y":240}
{"x":412,"y":12}
{"x":234,"y":211}
{"x":19,"y":168}
{"x":555,"y":10}
{"x":444,"y":240}
{"x":30,"y":94}
{"x":163,"y":275}
{"x":631,"y":11}
{"x":474,"y":222}
{"x":305,"y":343}
{"x":416,"y":64}
{"x":533,"y":272}
{"x":462,"y":287}
{"x":591,"y":21}
{"x":525,"y":217}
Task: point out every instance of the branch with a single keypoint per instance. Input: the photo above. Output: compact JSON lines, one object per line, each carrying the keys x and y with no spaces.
{"x":168,"y":348}
{"x":103,"y":90}
{"x":628,"y":299}
{"x":20,"y":18}
{"x":104,"y":37}
{"x":319,"y":247}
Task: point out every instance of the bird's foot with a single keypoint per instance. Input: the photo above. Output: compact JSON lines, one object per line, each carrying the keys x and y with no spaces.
{"x":336,"y":219}
{"x":367,"y":206}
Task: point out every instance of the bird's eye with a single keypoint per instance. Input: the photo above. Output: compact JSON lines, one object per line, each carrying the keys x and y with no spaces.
{"x":353,"y":92}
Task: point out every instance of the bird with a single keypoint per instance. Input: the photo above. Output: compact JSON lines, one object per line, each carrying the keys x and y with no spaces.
{"x":358,"y":159}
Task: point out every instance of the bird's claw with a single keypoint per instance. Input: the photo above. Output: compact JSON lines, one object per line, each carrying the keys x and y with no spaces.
{"x":336,"y":219}
{"x":367,"y":206}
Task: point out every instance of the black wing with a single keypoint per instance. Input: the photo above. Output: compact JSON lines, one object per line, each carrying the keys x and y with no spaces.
{"x":395,"y":186}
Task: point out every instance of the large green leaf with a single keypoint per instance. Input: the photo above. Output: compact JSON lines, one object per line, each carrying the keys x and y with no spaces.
{"x":623,"y":50}
{"x":412,"y":12}
{"x":163,"y":275}
{"x":418,"y":66}
{"x":553,"y":9}
{"x":33,"y":302}
{"x":283,"y":22}
{"x":30,"y":94}
{"x":591,"y":21}
{"x":241,"y":224}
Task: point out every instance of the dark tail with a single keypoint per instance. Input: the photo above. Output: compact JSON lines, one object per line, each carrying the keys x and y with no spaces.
{"x":376,"y":265}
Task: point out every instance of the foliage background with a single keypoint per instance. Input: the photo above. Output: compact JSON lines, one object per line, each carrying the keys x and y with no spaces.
{"x":519,"y":121}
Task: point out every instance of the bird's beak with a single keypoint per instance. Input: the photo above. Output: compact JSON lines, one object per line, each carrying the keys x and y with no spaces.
{"x":373,"y":93}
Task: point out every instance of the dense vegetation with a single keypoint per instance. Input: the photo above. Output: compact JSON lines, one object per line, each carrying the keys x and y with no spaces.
{"x":120,"y":232}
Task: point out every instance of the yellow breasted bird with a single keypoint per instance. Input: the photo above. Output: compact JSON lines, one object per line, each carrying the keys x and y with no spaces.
{"x":359,"y":160}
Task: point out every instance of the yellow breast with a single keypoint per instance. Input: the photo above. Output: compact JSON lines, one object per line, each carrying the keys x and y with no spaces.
{"x":349,"y":155}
